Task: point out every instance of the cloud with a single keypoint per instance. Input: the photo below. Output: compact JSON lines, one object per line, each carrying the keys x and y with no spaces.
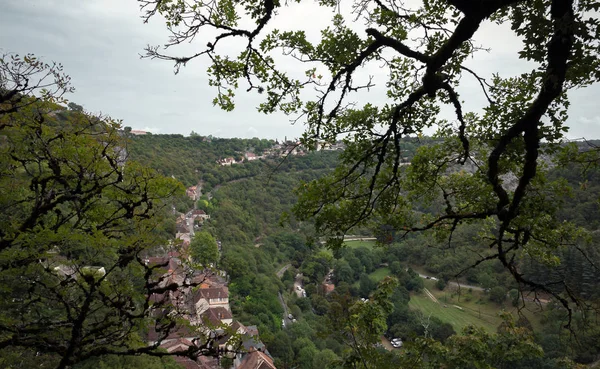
{"x":590,"y":121}
{"x":251,"y":132}
{"x":99,"y":43}
{"x":154,"y":130}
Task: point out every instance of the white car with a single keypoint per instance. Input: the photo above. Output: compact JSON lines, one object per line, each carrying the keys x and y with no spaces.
{"x":397,"y":342}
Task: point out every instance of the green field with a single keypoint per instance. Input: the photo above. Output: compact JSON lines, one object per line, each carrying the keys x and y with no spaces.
{"x":379,"y":274}
{"x":477,"y":309}
{"x":456,"y":317}
{"x":353,"y":244}
{"x":356,"y":244}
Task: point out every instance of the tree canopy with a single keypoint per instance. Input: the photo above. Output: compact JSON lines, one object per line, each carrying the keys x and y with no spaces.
{"x":488,"y":167}
{"x":204,"y":249}
{"x":77,"y":220}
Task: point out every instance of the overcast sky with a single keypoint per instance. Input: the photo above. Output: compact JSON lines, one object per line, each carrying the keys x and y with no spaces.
{"x":99,"y":43}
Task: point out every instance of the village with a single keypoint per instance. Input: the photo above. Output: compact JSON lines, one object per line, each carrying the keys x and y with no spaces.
{"x":200,"y":302}
{"x":280,"y":150}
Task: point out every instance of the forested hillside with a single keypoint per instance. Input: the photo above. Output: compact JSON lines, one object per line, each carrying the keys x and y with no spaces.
{"x":251,"y":209}
{"x":252,"y":217}
{"x":194,"y":159}
{"x":429,"y":213}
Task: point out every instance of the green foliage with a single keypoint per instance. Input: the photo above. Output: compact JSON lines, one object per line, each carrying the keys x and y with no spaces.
{"x":366,"y":285}
{"x":75,"y":220}
{"x":128,"y":362}
{"x":360,"y":324}
{"x":75,"y":107}
{"x":194,"y":159}
{"x":204,"y":249}
{"x":440,"y":284}
{"x":486,"y":173}
{"x":475,"y":349}
{"x":514,"y":296}
{"x":413,"y":282}
{"x":498,"y":294}
{"x":246,"y":214}
{"x":326,"y":359}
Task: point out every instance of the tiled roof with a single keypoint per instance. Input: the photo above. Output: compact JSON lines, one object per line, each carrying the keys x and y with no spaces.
{"x":177,"y":332}
{"x":208,"y":362}
{"x":187,"y":363}
{"x":252,"y":330}
{"x":252,"y":344}
{"x":235,"y":328}
{"x":238,"y":327}
{"x":211,"y":293}
{"x":181,"y":228}
{"x":256,"y":360}
{"x":215,"y":315}
{"x":174,"y":254}
{"x":181,"y":344}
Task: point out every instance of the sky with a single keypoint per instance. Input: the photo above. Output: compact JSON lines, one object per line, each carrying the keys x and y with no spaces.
{"x":99,"y":43}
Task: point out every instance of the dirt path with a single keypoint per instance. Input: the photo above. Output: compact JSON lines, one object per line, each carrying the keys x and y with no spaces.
{"x":386,"y":343}
{"x":431,"y":296}
{"x":282,"y":270}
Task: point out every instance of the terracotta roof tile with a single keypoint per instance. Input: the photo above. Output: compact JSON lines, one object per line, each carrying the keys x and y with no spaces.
{"x":215,"y":315}
{"x":211,"y":293}
{"x":257,"y":360}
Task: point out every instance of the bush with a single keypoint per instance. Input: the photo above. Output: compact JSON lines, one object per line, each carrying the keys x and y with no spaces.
{"x":440,"y":284}
{"x":514,"y":296}
{"x":498,"y":294}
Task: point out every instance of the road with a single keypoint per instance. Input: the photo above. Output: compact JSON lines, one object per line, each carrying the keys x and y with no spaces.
{"x":285,"y":311}
{"x":281,"y":300}
{"x":189,"y":221}
{"x":454,"y":284}
{"x":297,"y":281}
{"x":467,"y":286}
{"x":387,"y":344}
{"x":360,"y":239}
{"x":298,"y":285}
{"x":282,"y":270}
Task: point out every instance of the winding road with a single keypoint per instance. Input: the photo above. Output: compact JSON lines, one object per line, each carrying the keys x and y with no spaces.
{"x":285,"y":311}
{"x":455,"y":284}
{"x":286,"y":320}
{"x":282,"y":270}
